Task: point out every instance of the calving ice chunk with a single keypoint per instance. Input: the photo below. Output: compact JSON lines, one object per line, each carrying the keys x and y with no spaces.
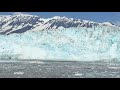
{"x":57,"y":38}
{"x":32,"y":52}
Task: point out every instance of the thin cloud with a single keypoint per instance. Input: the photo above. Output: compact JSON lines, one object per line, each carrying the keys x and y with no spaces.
{"x":17,"y":13}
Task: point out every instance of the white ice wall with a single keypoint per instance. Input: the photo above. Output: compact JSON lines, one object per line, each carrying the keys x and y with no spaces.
{"x":68,"y":44}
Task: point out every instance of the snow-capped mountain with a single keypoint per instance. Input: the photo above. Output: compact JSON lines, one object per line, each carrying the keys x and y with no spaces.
{"x":23,"y":22}
{"x":58,"y":38}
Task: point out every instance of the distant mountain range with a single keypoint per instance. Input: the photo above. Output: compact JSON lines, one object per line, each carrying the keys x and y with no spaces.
{"x":23,"y":22}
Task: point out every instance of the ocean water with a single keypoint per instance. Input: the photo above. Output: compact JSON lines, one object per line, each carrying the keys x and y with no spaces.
{"x":58,"y":69}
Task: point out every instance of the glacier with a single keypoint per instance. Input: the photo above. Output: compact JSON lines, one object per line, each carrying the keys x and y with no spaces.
{"x":66,"y":44}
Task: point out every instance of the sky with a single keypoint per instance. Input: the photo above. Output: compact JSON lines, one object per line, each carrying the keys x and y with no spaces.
{"x":93,"y":16}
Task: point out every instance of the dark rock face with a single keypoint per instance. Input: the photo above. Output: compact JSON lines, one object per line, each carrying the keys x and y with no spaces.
{"x":21,"y":30}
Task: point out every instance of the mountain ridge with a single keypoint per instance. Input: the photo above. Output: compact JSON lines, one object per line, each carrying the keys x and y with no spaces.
{"x":21,"y":23}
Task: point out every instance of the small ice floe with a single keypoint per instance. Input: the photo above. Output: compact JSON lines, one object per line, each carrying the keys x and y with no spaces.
{"x":19,"y":73}
{"x":114,"y":67}
{"x":78,"y":74}
{"x":37,"y":62}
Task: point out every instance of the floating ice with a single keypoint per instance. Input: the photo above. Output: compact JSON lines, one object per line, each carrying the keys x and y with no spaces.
{"x":19,"y":73}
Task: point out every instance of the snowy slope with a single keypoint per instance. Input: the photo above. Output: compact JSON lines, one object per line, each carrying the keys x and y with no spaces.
{"x":57,"y":38}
